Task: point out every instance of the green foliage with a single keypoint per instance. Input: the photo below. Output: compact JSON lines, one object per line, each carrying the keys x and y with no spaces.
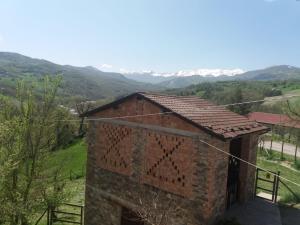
{"x":27,"y":135}
{"x":276,"y":156}
{"x":296,"y":164}
{"x":227,"y":92}
{"x":289,"y":197}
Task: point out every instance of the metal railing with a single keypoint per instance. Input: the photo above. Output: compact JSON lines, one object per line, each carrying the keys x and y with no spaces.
{"x":57,"y":215}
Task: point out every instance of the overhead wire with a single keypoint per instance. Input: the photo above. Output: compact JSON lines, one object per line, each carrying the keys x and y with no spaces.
{"x":215,"y":147}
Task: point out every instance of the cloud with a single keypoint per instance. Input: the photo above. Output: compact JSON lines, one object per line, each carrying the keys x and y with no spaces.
{"x":106,"y":66}
{"x":1,"y":38}
{"x":186,"y":73}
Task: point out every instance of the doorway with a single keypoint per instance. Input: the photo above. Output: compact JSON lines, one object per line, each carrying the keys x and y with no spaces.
{"x":233,"y":172}
{"x":130,"y":218}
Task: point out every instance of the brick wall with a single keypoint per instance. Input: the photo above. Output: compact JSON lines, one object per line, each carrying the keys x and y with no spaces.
{"x":114,"y":148}
{"x":168,"y":162}
{"x":136,"y":106}
{"x":161,"y":153}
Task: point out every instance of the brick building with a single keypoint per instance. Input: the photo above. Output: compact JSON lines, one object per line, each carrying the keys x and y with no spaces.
{"x":168,"y":150}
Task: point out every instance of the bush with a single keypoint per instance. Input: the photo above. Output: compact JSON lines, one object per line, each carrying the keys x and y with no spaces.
{"x":297,"y":165}
{"x":290,"y":198}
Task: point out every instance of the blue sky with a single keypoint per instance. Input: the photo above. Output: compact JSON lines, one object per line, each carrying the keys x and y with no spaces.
{"x":159,"y":35}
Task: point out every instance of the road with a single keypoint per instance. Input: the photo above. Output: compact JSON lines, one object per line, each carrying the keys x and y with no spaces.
{"x":287,"y":148}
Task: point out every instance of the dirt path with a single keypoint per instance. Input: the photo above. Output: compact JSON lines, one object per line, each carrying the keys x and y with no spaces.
{"x":287,"y":148}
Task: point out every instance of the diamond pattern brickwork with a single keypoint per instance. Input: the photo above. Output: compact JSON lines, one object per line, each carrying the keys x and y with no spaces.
{"x":114,"y":148}
{"x":168,"y":163}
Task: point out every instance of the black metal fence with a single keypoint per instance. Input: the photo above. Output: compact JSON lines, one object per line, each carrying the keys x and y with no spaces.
{"x":267,"y":182}
{"x":66,"y":213}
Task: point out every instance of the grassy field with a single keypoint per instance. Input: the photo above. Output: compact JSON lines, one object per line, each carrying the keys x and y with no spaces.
{"x":285,"y":195}
{"x":73,"y":162}
{"x":275,"y":156}
{"x":72,"y":159}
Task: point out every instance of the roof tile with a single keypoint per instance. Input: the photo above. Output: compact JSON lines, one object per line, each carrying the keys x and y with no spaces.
{"x":215,"y":118}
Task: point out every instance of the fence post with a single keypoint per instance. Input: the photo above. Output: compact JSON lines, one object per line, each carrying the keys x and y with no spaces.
{"x":296,"y":153}
{"x":277,"y":186}
{"x":256,"y":178}
{"x":48,"y":217}
{"x":51,"y":216}
{"x":81,"y":215}
{"x":274,"y":188}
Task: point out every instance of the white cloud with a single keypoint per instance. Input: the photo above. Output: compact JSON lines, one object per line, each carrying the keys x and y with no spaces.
{"x":185,"y":73}
{"x":106,"y":66}
{"x":1,"y":39}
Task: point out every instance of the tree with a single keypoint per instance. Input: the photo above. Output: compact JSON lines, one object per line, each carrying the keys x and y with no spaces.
{"x":237,"y":97}
{"x":65,"y":128}
{"x":27,"y":135}
{"x":82,"y":108}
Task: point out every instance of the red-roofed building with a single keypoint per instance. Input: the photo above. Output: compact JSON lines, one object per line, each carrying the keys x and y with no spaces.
{"x":270,"y":119}
{"x":145,"y":144}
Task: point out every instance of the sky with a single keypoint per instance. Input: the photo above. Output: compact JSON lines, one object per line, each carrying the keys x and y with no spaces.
{"x":159,"y":35}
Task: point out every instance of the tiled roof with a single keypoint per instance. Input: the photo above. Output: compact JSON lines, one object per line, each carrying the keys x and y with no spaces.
{"x":274,"y":119}
{"x":204,"y":114}
{"x":216,"y":119}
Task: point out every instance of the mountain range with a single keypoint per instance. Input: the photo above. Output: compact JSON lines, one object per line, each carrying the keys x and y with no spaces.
{"x":93,"y":84}
{"x":281,"y":72}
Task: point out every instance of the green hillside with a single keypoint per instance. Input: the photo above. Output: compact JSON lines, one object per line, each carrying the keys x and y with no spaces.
{"x":226,"y":92}
{"x":78,"y":82}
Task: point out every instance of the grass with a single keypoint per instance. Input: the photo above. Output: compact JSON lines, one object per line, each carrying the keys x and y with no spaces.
{"x":285,"y":195}
{"x":73,"y":162}
{"x":276,"y":156}
{"x":72,"y":159}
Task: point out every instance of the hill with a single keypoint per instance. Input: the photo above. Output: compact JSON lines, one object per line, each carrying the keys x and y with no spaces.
{"x":78,"y":82}
{"x":283,"y":72}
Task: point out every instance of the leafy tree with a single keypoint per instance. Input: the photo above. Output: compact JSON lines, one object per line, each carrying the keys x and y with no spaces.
{"x":27,"y":135}
{"x":237,"y":97}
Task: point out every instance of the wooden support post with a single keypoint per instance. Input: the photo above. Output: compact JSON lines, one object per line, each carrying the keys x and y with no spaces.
{"x":271,"y":139}
{"x":271,"y":144}
{"x":296,"y":153}
{"x":282,"y":145}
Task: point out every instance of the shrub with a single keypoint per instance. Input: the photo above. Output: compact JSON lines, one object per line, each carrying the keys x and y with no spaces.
{"x":297,"y":165}
{"x":288,"y":197}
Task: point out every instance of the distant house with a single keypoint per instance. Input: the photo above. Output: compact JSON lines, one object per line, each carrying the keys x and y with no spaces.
{"x":271,"y":120}
{"x":170,"y":150}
